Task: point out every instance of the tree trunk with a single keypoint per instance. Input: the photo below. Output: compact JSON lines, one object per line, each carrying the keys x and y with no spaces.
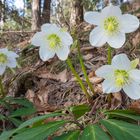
{"x":35,"y":14}
{"x":77,"y":12}
{"x":46,"y":11}
{"x":2,"y":13}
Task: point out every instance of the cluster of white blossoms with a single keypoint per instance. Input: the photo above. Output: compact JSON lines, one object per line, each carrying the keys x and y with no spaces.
{"x":52,"y":40}
{"x":7,"y":59}
{"x":111,"y":26}
{"x":121,"y":74}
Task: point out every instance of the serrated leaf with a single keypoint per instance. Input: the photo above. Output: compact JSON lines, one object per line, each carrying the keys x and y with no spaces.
{"x":123,"y":114}
{"x":22,"y":112}
{"x":37,"y":119}
{"x":80,"y":110}
{"x":94,"y":132}
{"x":73,"y":135}
{"x":121,"y":130}
{"x":6,"y":134}
{"x":40,"y":132}
{"x":32,"y":121}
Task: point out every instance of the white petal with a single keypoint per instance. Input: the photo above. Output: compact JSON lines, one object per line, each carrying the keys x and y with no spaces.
{"x":12,"y":54}
{"x":2,"y":68}
{"x":132,"y":90}
{"x":135,"y":75}
{"x":46,"y":26}
{"x":121,"y":62}
{"x":129,"y":23}
{"x":45,"y":53}
{"x":3,"y":50}
{"x":117,"y":40}
{"x":111,"y":11}
{"x":63,"y":53}
{"x":66,"y":38}
{"x":109,"y":86}
{"x":97,"y":37}
{"x":12,"y":63}
{"x":50,"y":28}
{"x":93,"y":17}
{"x":105,"y":71}
{"x":39,"y":39}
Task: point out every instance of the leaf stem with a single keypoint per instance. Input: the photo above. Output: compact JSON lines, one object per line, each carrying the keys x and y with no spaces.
{"x":84,"y":69}
{"x":78,"y":79}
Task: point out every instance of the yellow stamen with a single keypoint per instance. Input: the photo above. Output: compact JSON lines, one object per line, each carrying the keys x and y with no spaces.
{"x":54,"y":41}
{"x":121,"y":77}
{"x":3,"y":58}
{"x":111,"y":24}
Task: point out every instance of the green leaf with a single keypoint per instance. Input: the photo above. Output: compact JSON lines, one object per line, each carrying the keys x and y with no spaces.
{"x":2,"y":117}
{"x":22,"y":101}
{"x":15,"y":121}
{"x":34,"y":120}
{"x":40,"y":132}
{"x":123,"y":114}
{"x":94,"y":132}
{"x":5,"y":104}
{"x":134,"y":63}
{"x":73,"y":135}
{"x":37,"y":119}
{"x":121,"y":130}
{"x":23,"y":112}
{"x":80,"y":110}
{"x":6,"y":134}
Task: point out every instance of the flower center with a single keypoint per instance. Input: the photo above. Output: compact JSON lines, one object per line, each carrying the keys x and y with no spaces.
{"x":121,"y":77}
{"x":3,"y":58}
{"x":54,"y":41}
{"x":111,"y":24}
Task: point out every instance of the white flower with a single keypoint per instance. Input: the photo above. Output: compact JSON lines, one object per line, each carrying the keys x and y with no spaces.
{"x":121,"y":74}
{"x":7,"y":59}
{"x":111,"y":26}
{"x":52,"y":40}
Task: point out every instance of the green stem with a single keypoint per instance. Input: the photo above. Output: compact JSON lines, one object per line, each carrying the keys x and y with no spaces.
{"x":84,"y":69}
{"x":78,"y":79}
{"x":109,"y":62}
{"x":109,"y":56}
{"x":1,"y":88}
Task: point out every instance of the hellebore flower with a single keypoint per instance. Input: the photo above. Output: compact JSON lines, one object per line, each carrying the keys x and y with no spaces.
{"x":7,"y":59}
{"x":121,"y":74}
{"x":111,"y":26}
{"x":52,"y":40}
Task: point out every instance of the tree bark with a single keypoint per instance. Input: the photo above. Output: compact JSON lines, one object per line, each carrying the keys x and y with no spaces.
{"x":46,"y":11}
{"x":2,"y":13}
{"x":35,"y":15}
{"x":77,"y":12}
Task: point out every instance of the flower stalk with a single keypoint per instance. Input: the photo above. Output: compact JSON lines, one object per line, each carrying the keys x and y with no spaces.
{"x":78,"y":79}
{"x":84,"y":69}
{"x":1,"y":88}
{"x":109,"y":55}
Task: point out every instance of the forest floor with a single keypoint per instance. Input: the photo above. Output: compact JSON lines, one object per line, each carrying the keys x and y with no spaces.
{"x":51,"y":86}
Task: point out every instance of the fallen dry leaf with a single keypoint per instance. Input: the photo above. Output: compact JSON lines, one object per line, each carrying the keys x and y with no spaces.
{"x":62,"y":76}
{"x":117,"y":96}
{"x":135,"y":106}
{"x":96,"y":80}
{"x":87,"y":56}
